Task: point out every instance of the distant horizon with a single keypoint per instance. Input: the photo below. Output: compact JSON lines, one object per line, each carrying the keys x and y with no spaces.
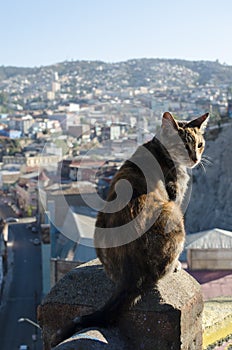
{"x":119,"y":61}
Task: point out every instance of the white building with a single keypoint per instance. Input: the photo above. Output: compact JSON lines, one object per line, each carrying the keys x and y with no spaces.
{"x":209,"y":250}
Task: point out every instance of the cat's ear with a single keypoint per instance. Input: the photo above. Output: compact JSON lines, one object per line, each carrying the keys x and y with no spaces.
{"x":200,"y":122}
{"x":168,"y":121}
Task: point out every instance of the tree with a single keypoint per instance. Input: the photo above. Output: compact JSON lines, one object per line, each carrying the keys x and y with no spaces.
{"x":3,"y":98}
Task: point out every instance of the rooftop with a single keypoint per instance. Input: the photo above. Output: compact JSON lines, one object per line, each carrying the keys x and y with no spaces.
{"x":210,"y":239}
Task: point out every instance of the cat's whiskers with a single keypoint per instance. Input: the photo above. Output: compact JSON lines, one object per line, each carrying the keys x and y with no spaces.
{"x":202,"y":166}
{"x":207,"y":160}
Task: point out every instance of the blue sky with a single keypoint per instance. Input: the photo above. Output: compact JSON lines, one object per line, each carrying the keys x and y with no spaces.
{"x":41,"y":32}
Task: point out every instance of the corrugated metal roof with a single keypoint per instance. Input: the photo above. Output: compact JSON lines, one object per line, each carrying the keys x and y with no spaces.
{"x":75,"y":241}
{"x":210,"y":239}
{"x":81,"y":251}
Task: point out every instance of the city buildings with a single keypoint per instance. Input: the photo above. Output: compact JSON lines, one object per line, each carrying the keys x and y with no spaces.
{"x":65,"y":130}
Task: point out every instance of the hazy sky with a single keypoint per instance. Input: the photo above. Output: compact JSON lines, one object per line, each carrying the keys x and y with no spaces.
{"x":41,"y":32}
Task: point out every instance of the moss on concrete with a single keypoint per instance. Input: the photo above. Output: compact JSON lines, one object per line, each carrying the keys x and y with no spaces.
{"x":217,"y":320}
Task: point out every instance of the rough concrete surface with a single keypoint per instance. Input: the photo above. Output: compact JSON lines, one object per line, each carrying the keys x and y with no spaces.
{"x":211,"y":205}
{"x":169,"y":317}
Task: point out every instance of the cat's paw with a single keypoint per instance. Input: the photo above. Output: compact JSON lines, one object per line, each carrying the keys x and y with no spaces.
{"x":177,"y":266}
{"x":56,"y":338}
{"x":65,"y":332}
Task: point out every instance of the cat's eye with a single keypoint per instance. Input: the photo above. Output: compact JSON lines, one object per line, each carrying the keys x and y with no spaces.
{"x":200,"y":145}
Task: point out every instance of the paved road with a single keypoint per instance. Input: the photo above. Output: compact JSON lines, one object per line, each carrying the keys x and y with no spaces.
{"x":5,"y":210}
{"x":23,"y":294}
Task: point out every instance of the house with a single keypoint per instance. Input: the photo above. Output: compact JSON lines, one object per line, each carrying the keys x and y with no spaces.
{"x":8,"y":177}
{"x":84,"y":169}
{"x":80,"y":132}
{"x":21,"y":123}
{"x":209,"y":250}
{"x":71,"y":226}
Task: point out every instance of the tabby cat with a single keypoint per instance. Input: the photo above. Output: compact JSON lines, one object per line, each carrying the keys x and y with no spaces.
{"x":141,"y":240}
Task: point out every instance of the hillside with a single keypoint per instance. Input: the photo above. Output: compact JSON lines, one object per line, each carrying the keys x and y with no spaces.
{"x":211,"y":200}
{"x":136,"y":72}
{"x":9,"y":72}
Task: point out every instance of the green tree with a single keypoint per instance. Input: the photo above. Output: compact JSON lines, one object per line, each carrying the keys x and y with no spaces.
{"x":3,"y":98}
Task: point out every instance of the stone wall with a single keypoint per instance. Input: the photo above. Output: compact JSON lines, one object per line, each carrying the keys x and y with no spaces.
{"x":168,"y":317}
{"x":211,"y":205}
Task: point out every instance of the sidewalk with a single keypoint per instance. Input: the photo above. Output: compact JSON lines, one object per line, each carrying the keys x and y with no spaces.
{"x":217,"y":294}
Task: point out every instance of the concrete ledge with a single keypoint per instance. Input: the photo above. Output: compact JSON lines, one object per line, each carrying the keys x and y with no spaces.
{"x":169,"y":317}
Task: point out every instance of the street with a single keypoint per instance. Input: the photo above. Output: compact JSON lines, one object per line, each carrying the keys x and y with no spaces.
{"x":23,"y":292}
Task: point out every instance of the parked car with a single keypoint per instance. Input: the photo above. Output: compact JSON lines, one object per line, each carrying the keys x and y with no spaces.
{"x":23,"y":347}
{"x":36,"y":241}
{"x":34,"y":229}
{"x":14,"y":207}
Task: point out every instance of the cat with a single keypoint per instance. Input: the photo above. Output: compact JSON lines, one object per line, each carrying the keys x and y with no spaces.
{"x":141,"y":240}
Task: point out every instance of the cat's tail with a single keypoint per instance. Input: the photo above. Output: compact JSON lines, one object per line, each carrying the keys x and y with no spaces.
{"x":107,"y":315}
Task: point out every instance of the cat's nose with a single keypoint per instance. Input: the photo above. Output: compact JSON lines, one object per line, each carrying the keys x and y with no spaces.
{"x":193,"y":156}
{"x":194,"y":159}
